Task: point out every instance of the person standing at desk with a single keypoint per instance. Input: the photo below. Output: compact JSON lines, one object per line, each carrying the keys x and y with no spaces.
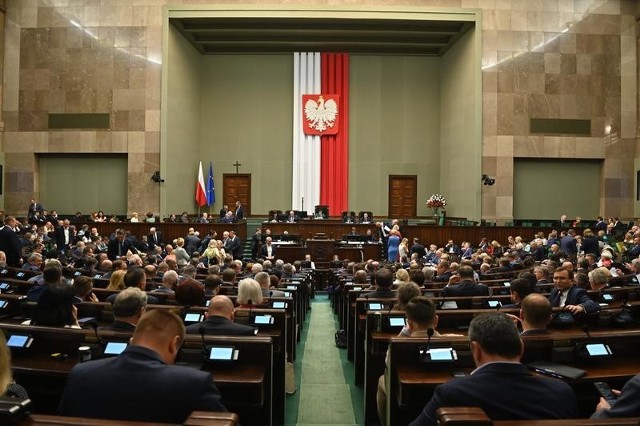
{"x":393,"y":245}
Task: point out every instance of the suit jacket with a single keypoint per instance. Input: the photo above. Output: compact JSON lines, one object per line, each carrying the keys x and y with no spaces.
{"x":221,"y":326}
{"x":381,"y":293}
{"x":626,"y":405}
{"x":576,"y":296}
{"x":240,"y":213}
{"x":59,"y":237}
{"x":140,"y":375}
{"x":419,"y":249}
{"x":505,"y":391}
{"x":112,"y":248}
{"x":465,"y":288}
{"x":263,"y":251}
{"x":568,"y":245}
{"x":191,"y":243}
{"x":152,"y":242}
{"x":10,"y":244}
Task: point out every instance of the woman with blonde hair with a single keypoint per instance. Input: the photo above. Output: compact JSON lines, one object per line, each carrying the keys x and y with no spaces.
{"x":249,"y":293}
{"x":212,"y":253}
{"x":116,"y":282}
{"x":402,"y":276}
{"x":8,"y":388}
{"x":403,"y":248}
{"x":182,"y":257}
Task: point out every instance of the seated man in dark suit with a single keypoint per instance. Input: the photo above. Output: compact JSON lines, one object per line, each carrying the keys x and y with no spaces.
{"x":128,"y":307}
{"x":384,"y":281}
{"x":466,"y":286}
{"x":442,"y":272}
{"x":219,"y":320}
{"x":566,"y":295}
{"x":500,"y":385}
{"x":133,"y":386}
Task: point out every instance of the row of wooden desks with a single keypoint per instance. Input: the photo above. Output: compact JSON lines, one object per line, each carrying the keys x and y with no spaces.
{"x":410,"y":382}
{"x":248,"y":386}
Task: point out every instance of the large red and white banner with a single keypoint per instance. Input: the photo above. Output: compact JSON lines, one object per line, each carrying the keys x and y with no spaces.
{"x":320,"y":134}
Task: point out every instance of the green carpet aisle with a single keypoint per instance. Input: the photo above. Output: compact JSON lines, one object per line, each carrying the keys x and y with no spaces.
{"x":325,"y":389}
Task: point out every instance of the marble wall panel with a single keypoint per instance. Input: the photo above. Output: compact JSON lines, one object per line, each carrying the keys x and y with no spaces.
{"x":540,"y":59}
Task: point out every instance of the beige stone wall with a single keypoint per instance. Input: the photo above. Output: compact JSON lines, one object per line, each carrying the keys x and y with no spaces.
{"x":540,"y":58}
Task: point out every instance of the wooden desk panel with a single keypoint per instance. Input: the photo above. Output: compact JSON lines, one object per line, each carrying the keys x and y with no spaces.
{"x":428,"y":234}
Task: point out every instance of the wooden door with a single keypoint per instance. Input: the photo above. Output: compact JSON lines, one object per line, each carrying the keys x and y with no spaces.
{"x":237,"y":187}
{"x":403,"y":191}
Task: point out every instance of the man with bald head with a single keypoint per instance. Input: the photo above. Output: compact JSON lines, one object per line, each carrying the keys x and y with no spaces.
{"x":142,"y":373}
{"x":219,"y":320}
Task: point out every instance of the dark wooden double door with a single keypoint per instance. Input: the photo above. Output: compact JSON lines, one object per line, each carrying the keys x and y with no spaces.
{"x":237,"y":187}
{"x":403,"y":192}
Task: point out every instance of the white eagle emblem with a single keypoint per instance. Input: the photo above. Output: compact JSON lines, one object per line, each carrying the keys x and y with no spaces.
{"x":321,"y":115}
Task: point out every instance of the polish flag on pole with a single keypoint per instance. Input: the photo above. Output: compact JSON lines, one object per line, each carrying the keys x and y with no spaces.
{"x":201,"y":191}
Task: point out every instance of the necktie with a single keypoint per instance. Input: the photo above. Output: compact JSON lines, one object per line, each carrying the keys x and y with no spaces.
{"x":120,"y":248}
{"x":563,"y":299}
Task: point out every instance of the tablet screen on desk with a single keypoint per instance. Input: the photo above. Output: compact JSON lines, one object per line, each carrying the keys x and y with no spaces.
{"x":494,"y":303}
{"x":507,"y":284}
{"x":375,"y":306}
{"x":263,"y":320}
{"x":3,"y":304}
{"x":279,"y":305}
{"x":607,"y":297}
{"x":20,"y":274}
{"x":192,"y":317}
{"x":115,"y":348}
{"x":396,"y":321}
{"x":19,"y":341}
{"x":598,"y":349}
{"x":449,"y":305}
{"x":4,"y":286}
{"x":287,"y":294}
{"x":222,"y":353}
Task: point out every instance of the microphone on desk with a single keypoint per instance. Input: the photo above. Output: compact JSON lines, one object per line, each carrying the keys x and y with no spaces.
{"x":205,"y":351}
{"x":94,"y":325}
{"x":441,"y":301}
{"x":585,"y":328}
{"x":430,"y":332}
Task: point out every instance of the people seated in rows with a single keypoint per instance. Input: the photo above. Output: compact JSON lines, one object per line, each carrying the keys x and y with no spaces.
{"x":219,"y":320}
{"x":499,"y":382}
{"x":465,"y":285}
{"x":383,"y":283}
{"x":421,"y":321}
{"x":142,"y":373}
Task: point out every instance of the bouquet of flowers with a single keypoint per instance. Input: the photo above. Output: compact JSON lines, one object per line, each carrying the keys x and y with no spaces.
{"x":436,"y":202}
